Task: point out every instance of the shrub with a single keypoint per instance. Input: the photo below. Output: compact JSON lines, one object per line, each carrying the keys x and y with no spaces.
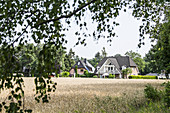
{"x":82,"y":76}
{"x":95,"y":76}
{"x":58,"y":75}
{"x":65,"y":74}
{"x":167,"y":94}
{"x":152,"y":93}
{"x":131,"y":77}
{"x":126,"y":72}
{"x":88,"y":74}
{"x":111,"y":76}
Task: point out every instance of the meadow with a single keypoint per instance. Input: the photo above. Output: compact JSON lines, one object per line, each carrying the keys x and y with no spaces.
{"x":93,"y":95}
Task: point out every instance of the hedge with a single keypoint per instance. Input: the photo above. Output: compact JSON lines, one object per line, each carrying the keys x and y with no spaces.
{"x":83,"y":76}
{"x":142,"y":77}
{"x":65,"y":74}
{"x":95,"y":76}
{"x":88,"y":74}
{"x":111,"y":76}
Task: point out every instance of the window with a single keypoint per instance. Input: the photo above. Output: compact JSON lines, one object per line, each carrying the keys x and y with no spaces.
{"x":111,"y":68}
{"x":108,"y":68}
{"x":81,"y":70}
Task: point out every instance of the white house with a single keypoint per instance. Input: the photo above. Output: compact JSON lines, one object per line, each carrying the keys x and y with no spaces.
{"x":115,"y":65}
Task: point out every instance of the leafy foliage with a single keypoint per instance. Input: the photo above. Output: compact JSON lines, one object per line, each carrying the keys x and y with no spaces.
{"x":65,"y":74}
{"x":117,"y":55}
{"x":167,"y":94}
{"x":158,"y":57}
{"x":69,"y":60}
{"x":126,"y":71}
{"x":83,"y":76}
{"x":87,"y":74}
{"x":111,"y":76}
{"x":152,"y":93}
{"x":95,"y":76}
{"x":137,"y":59}
{"x":98,"y":57}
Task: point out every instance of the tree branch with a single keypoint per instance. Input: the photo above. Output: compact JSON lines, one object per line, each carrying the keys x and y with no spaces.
{"x":67,"y":16}
{"x":20,"y":34}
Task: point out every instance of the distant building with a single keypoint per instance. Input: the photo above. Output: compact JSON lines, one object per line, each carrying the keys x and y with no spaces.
{"x":115,"y":65}
{"x":82,"y":65}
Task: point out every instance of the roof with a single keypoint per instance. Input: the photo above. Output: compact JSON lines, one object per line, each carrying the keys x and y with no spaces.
{"x":84,"y":64}
{"x":118,"y":61}
{"x":115,"y":62}
{"x":125,"y":61}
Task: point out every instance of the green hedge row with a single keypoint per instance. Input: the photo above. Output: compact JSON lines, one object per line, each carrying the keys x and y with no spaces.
{"x":65,"y":74}
{"x":95,"y":76}
{"x":111,"y":76}
{"x":87,"y":74}
{"x":142,"y":77}
{"x":83,"y":76}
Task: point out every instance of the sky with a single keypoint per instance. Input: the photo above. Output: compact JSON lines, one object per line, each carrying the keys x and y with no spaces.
{"x":128,"y":39}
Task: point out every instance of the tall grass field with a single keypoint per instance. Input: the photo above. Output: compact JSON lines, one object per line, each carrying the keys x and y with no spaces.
{"x":94,"y":95}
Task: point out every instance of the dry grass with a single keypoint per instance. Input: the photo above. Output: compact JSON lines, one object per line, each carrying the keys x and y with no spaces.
{"x":88,"y":95}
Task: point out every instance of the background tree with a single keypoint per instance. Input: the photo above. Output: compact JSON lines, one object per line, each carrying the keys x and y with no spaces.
{"x":126,"y":72}
{"x":28,"y":58}
{"x":104,"y":54}
{"x":69,"y":60}
{"x":159,"y":56}
{"x":98,"y":57}
{"x":117,"y":55}
{"x":137,"y":59}
{"x":151,"y":65}
{"x":163,"y":45}
{"x":93,"y":62}
{"x":59,"y":60}
{"x":76,"y":58}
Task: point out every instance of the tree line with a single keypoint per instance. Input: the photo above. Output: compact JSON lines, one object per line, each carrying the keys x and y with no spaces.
{"x":27,"y":57}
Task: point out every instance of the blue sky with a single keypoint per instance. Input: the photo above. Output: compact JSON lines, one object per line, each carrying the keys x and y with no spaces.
{"x":128,"y":39}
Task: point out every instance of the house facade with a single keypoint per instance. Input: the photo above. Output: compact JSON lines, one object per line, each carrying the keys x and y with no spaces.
{"x":82,"y":65}
{"x":115,"y":65}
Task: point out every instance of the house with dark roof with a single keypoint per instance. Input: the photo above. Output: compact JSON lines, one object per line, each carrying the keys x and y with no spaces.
{"x":82,"y":65}
{"x":115,"y":65}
